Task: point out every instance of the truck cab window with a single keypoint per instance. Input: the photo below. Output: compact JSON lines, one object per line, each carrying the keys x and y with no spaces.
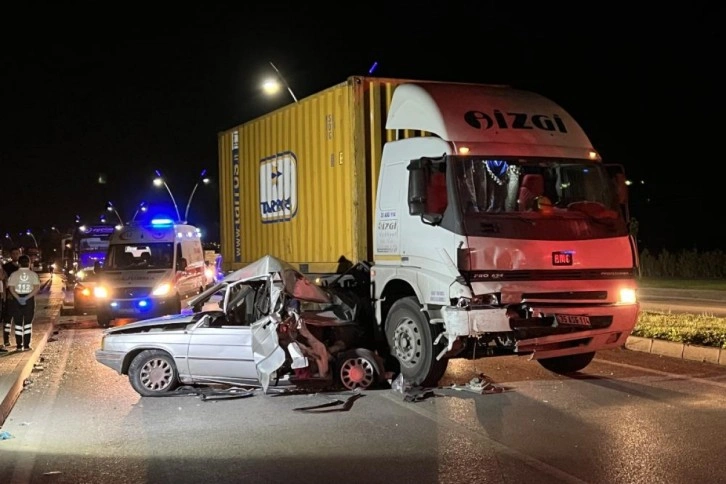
{"x":489,"y":185}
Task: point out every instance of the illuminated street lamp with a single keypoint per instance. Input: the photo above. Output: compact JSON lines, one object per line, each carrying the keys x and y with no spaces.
{"x":143,"y":207}
{"x":203,"y":178}
{"x":28,"y":232}
{"x":272,"y":86}
{"x":159,"y":181}
{"x":111,"y":208}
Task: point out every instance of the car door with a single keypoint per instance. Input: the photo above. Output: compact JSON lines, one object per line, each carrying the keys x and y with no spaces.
{"x":219,"y":350}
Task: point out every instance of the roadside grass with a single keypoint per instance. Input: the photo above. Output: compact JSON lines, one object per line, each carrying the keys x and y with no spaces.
{"x":693,"y":329}
{"x":699,"y":284}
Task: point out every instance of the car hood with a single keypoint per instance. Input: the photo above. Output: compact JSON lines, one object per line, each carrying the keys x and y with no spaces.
{"x":160,"y":321}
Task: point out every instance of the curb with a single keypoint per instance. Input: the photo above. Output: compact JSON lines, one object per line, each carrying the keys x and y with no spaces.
{"x":703,"y":354}
{"x":10,"y":389}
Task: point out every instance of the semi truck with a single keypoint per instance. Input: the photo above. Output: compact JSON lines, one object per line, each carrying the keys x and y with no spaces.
{"x":488,"y":221}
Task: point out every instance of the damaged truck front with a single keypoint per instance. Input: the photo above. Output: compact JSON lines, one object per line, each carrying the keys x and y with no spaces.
{"x":493,"y":225}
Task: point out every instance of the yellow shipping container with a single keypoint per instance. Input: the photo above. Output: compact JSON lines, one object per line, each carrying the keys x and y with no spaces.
{"x":299,"y":183}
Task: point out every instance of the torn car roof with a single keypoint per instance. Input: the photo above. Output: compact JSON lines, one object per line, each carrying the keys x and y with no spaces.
{"x":294,"y":282}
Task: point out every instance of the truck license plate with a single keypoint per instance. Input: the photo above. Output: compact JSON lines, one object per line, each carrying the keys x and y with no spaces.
{"x":573,"y":320}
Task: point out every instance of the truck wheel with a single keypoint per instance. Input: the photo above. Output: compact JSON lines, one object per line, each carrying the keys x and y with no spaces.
{"x":152,"y":373}
{"x":410,"y":339}
{"x":567,"y":364}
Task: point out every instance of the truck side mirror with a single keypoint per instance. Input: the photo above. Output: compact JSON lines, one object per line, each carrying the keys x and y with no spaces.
{"x":621,"y":188}
{"x":431,"y":218}
{"x":416,"y":188}
{"x":617,"y":173}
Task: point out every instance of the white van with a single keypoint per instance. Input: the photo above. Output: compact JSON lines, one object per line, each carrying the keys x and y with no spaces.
{"x":149,"y":271}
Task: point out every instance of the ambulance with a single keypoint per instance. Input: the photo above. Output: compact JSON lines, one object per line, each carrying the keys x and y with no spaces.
{"x":149,"y":271}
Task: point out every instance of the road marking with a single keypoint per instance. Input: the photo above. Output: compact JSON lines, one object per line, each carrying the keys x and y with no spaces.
{"x":673,"y":376}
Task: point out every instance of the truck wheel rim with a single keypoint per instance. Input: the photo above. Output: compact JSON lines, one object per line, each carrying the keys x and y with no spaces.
{"x":356,"y":373}
{"x":407,"y":342}
{"x":156,"y":374}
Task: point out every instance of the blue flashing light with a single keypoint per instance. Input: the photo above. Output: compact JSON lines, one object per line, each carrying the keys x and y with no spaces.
{"x":114,"y":304}
{"x":373,"y":68}
{"x":162,"y":222}
{"x":143,"y":303}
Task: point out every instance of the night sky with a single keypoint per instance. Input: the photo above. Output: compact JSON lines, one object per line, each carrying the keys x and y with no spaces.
{"x":120,"y":90}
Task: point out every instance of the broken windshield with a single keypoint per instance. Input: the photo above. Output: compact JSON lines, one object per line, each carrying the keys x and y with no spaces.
{"x":497,"y":185}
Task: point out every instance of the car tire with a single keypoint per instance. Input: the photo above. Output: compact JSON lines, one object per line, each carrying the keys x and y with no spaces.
{"x":567,"y":364}
{"x":358,"y":369}
{"x":104,"y":320}
{"x":410,"y":339}
{"x":153,"y":373}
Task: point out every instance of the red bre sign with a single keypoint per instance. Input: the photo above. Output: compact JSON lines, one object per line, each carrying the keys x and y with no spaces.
{"x":561,"y":258}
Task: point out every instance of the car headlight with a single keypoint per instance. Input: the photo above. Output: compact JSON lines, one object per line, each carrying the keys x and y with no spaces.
{"x":162,"y":290}
{"x":85,"y":292}
{"x":100,"y":291}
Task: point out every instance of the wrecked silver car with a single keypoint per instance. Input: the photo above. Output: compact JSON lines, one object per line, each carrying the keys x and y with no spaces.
{"x":265,"y":324}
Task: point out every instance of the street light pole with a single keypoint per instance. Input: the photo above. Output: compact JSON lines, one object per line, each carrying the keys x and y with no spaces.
{"x":142,"y":207}
{"x":158,"y":181}
{"x":110,"y":207}
{"x":28,"y":232}
{"x":279,"y":74}
{"x":203,"y":179}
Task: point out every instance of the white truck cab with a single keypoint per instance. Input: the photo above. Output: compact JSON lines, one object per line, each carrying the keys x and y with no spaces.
{"x":503,"y":232}
{"x":149,"y":271}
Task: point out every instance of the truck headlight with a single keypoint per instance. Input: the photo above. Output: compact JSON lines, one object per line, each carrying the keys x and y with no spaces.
{"x":627,"y":296}
{"x":162,"y":290}
{"x":100,"y":292}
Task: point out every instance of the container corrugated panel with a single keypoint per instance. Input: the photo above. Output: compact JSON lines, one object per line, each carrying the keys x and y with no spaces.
{"x":301,"y":183}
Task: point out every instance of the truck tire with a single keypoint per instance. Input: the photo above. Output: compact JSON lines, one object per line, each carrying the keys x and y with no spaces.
{"x":567,"y":364}
{"x":410,"y":339}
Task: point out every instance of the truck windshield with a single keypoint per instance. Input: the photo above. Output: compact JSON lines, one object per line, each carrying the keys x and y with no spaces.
{"x":494,"y":185}
{"x":140,"y":256}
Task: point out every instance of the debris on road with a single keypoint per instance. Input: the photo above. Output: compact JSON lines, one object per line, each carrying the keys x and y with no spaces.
{"x":327,"y":407}
{"x":480,"y":384}
{"x":419,"y":394}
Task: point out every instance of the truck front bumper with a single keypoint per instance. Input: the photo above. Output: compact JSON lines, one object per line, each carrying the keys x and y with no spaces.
{"x":545,"y":335}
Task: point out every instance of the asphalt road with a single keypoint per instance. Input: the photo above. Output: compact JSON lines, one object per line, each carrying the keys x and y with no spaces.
{"x":629,"y":417}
